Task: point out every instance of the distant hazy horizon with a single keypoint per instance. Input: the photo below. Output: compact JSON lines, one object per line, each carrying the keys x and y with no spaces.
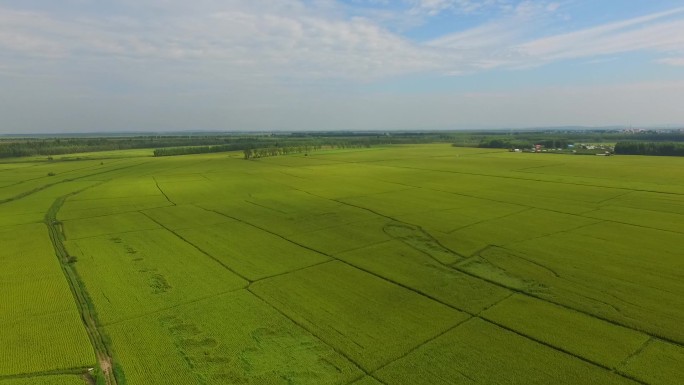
{"x":84,"y":66}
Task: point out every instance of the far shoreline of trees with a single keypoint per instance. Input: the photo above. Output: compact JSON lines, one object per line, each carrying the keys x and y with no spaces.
{"x":655,"y":142}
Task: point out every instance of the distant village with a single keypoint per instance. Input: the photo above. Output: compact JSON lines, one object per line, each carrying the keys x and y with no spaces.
{"x":581,"y":149}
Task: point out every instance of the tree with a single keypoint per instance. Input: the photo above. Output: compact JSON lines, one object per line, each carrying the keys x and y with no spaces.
{"x":248,"y":153}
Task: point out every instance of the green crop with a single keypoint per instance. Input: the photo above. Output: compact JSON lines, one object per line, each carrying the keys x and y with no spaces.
{"x":400,"y":265}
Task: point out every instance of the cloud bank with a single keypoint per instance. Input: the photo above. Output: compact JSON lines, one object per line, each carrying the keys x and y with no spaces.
{"x":255,"y":57}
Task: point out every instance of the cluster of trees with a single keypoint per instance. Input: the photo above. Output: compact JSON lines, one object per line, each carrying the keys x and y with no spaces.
{"x":250,"y":153}
{"x":504,"y":143}
{"x":173,"y":151}
{"x":522,"y":142}
{"x":650,"y":148}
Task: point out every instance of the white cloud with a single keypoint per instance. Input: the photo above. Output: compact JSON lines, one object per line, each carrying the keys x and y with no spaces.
{"x":223,"y":58}
{"x":435,"y":7}
{"x":648,"y":32}
{"x":673,"y":61}
{"x":295,"y":40}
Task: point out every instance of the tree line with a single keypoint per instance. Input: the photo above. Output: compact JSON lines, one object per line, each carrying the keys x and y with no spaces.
{"x":650,"y":148}
{"x":12,"y":148}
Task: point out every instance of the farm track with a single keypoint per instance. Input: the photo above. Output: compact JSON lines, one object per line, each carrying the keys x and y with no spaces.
{"x":43,"y":177}
{"x":81,"y":298}
{"x":83,"y":302}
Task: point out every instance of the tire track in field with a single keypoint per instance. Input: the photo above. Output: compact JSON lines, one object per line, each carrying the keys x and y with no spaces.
{"x":490,"y":219}
{"x":534,"y":180}
{"x":41,"y":188}
{"x":580,"y":215}
{"x":44,"y":177}
{"x":156,"y":182}
{"x":626,"y":361}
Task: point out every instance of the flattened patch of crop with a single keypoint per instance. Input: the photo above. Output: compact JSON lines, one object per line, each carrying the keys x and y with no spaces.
{"x":488,"y":270}
{"x":130,"y":274}
{"x":421,"y":240}
{"x":230,"y":339}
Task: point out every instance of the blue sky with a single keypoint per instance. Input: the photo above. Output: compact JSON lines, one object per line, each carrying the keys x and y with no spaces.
{"x":86,"y":65}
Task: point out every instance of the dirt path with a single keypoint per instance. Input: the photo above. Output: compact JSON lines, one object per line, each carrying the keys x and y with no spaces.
{"x":104,"y":358}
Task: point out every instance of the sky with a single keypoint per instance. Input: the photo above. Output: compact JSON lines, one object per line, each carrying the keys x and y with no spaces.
{"x":267,"y":65}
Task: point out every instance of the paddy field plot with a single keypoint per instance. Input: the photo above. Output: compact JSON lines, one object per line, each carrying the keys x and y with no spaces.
{"x":227,"y":339}
{"x":135,"y":273}
{"x":40,"y":327}
{"x":478,"y":352}
{"x":658,"y":363}
{"x":369,"y":319}
{"x":396,"y":265}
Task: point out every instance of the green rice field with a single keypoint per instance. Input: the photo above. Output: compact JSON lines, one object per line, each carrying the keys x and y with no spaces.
{"x":394,"y":265}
